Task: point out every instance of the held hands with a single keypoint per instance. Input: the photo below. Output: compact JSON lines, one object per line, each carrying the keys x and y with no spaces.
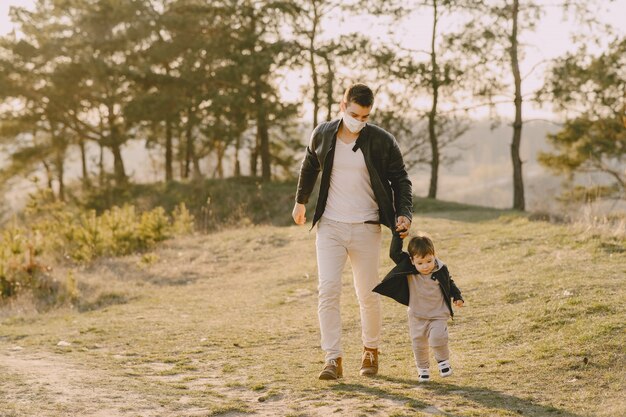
{"x":403,"y":225}
{"x":298,"y":214}
{"x":458,"y":303}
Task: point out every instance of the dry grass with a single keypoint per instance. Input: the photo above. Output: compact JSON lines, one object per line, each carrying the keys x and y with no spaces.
{"x":226,"y":324}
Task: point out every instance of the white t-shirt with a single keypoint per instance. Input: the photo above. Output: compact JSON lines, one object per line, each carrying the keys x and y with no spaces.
{"x":350,"y":196}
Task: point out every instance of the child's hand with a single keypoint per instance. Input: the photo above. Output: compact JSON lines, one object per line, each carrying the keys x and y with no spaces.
{"x":458,"y":303}
{"x":403,"y":225}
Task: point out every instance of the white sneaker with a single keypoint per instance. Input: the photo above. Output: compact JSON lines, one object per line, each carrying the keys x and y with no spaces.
{"x":423,"y":375}
{"x":444,"y":368}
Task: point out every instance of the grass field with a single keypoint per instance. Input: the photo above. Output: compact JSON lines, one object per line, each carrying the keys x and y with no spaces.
{"x":225,"y":324}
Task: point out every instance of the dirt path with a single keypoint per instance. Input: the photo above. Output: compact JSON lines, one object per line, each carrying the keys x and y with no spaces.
{"x":36,"y":384}
{"x":45,"y":383}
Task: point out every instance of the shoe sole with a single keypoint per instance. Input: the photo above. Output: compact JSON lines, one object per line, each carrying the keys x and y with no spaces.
{"x":368,"y":372}
{"x":329,"y":377}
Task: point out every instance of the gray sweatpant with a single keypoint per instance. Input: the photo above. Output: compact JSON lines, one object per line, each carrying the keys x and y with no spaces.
{"x":425,"y":332}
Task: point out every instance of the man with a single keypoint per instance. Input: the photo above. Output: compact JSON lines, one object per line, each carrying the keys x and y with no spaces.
{"x":364,"y":184}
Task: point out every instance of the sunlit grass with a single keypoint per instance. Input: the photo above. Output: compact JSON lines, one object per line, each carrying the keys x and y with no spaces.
{"x":542,"y":332}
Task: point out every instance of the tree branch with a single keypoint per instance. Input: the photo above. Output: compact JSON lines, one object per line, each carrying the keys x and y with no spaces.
{"x":475,"y":106}
{"x":544,"y":120}
{"x":417,"y":51}
{"x":543,"y":61}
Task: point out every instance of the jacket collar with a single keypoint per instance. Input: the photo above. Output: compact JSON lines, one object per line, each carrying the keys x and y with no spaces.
{"x":333,"y":126}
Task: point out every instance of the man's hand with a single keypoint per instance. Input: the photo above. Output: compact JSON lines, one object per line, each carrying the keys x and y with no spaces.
{"x":403,"y":224}
{"x":298,"y":214}
{"x":458,"y":303}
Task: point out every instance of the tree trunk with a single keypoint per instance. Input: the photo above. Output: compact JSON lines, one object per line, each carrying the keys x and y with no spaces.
{"x":169,"y":173}
{"x":237,"y":170}
{"x":518,"y":181}
{"x":118,"y":162}
{"x":263,"y":136}
{"x":60,"y":173}
{"x":49,"y":176}
{"x":189,"y":151}
{"x":254,"y":156}
{"x":101,"y":165}
{"x":265,"y":148}
{"x":83,"y":163}
{"x":197,"y":173}
{"x":316,"y":88}
{"x":219,"y":169}
{"x":329,"y":87}
{"x":118,"y":165}
{"x":432,"y":116}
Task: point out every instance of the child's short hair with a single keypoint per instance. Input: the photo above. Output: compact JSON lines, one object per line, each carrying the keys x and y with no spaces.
{"x":421,"y":245}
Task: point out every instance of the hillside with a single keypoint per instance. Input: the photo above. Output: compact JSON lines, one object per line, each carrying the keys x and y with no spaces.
{"x":226,"y":324}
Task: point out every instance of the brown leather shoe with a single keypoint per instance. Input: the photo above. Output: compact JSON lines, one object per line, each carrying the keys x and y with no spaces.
{"x":332,"y":370}
{"x":369,"y":362}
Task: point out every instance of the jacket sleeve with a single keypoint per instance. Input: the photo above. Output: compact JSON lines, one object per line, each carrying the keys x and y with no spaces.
{"x":454,"y":291}
{"x":400,"y":183}
{"x":395,"y":249}
{"x":309,"y":170}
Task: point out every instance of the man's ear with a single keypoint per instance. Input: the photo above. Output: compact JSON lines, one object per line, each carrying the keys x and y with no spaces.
{"x":342,"y":106}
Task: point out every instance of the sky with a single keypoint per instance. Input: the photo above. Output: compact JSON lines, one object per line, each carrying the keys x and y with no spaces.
{"x":550,"y":40}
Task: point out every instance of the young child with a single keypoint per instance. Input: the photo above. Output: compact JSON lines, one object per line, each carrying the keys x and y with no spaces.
{"x":422,"y":282}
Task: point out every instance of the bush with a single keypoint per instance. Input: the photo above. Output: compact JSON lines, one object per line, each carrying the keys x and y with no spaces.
{"x":63,"y":233}
{"x":19,"y":268}
{"x":213,"y":203}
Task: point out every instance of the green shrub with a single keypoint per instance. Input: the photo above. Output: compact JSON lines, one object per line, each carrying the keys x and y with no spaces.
{"x":212,"y":203}
{"x":182,"y":220}
{"x":154,"y":226}
{"x":64,"y":233}
{"x":19,"y":268}
{"x":122,"y":231}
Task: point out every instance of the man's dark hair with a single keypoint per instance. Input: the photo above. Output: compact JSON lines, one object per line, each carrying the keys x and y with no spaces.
{"x":360,"y":94}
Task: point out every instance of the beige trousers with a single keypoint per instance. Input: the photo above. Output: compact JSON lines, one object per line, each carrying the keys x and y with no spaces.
{"x":335,"y":243}
{"x":425,"y":332}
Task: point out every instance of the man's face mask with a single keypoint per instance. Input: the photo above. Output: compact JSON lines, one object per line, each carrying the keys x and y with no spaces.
{"x":352,"y":124}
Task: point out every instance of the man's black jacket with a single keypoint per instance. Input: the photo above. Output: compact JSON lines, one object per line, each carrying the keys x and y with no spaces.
{"x":383,"y":159}
{"x":396,"y":285}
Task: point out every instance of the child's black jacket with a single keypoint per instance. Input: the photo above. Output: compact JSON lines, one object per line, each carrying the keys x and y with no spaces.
{"x":396,"y":283}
